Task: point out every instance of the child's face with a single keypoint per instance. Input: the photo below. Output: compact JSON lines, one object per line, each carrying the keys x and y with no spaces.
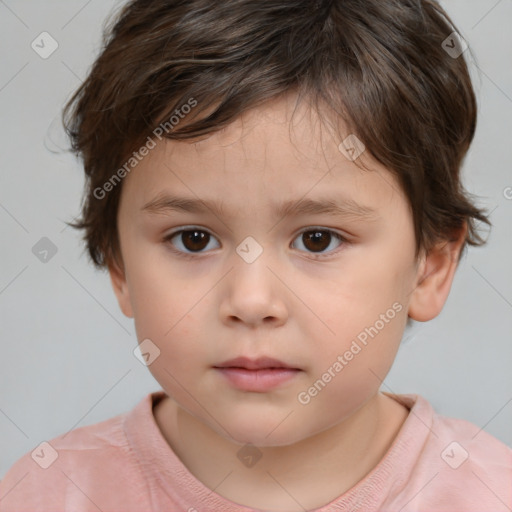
{"x":227,"y":301}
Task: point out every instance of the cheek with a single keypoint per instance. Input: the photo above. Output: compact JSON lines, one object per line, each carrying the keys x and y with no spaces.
{"x":351,"y":371}
{"x":366,"y":316}
{"x":363,"y":351}
{"x":171,"y":312}
{"x":159,"y":297}
{"x":359,"y":298}
{"x":153,"y":315}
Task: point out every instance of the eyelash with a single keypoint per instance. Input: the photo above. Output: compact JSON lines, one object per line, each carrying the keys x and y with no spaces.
{"x":190,"y":255}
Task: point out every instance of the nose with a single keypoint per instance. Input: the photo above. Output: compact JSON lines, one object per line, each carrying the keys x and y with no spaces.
{"x":254,"y":294}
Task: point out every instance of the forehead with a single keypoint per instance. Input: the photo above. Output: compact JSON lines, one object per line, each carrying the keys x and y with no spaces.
{"x":278,"y":152}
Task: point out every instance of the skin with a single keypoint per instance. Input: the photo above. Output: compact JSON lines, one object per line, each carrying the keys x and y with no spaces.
{"x":287,"y":304}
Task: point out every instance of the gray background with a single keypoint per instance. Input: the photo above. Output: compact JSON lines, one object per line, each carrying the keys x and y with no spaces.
{"x":67,"y":357}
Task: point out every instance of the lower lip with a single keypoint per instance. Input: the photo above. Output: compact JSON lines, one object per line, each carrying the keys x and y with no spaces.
{"x":258,"y":380}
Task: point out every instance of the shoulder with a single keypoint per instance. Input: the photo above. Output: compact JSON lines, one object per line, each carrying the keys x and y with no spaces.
{"x":469,"y":447}
{"x":476,"y":466}
{"x":459,"y":465}
{"x":72,"y":468}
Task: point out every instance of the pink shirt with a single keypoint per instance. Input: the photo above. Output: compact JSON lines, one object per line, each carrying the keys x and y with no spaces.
{"x":124,"y":463}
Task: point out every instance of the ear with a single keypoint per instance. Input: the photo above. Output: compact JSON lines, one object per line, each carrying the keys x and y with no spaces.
{"x":434,"y":278}
{"x":120,"y":286}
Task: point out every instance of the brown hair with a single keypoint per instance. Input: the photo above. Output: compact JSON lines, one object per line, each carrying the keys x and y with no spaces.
{"x":378,"y":65}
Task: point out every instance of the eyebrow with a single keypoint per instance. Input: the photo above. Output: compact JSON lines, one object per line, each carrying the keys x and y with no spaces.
{"x":341,"y":208}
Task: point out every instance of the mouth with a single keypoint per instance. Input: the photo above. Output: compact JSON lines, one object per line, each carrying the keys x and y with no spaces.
{"x":256,"y":375}
{"x":262,"y":363}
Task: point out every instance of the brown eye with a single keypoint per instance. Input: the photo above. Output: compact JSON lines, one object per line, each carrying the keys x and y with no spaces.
{"x":189,"y":241}
{"x":316,"y":241}
{"x":195,"y":240}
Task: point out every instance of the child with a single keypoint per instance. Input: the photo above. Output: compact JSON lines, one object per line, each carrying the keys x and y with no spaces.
{"x":264,"y":128}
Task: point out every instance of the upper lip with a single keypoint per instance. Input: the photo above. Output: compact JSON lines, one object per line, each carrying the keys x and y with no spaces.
{"x":254,"y":364}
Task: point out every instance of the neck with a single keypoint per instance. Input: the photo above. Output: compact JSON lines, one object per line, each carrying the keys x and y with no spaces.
{"x":304,"y":475}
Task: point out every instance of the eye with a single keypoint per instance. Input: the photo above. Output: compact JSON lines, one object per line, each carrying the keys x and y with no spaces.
{"x":193,"y":240}
{"x":319,"y":239}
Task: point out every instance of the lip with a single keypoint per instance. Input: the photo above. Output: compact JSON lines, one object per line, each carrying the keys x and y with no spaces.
{"x":258,"y":380}
{"x":254,"y":364}
{"x":257,"y":375}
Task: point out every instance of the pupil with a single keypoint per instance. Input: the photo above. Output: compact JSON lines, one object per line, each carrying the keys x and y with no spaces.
{"x":320,"y":240}
{"x":194,"y":240}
